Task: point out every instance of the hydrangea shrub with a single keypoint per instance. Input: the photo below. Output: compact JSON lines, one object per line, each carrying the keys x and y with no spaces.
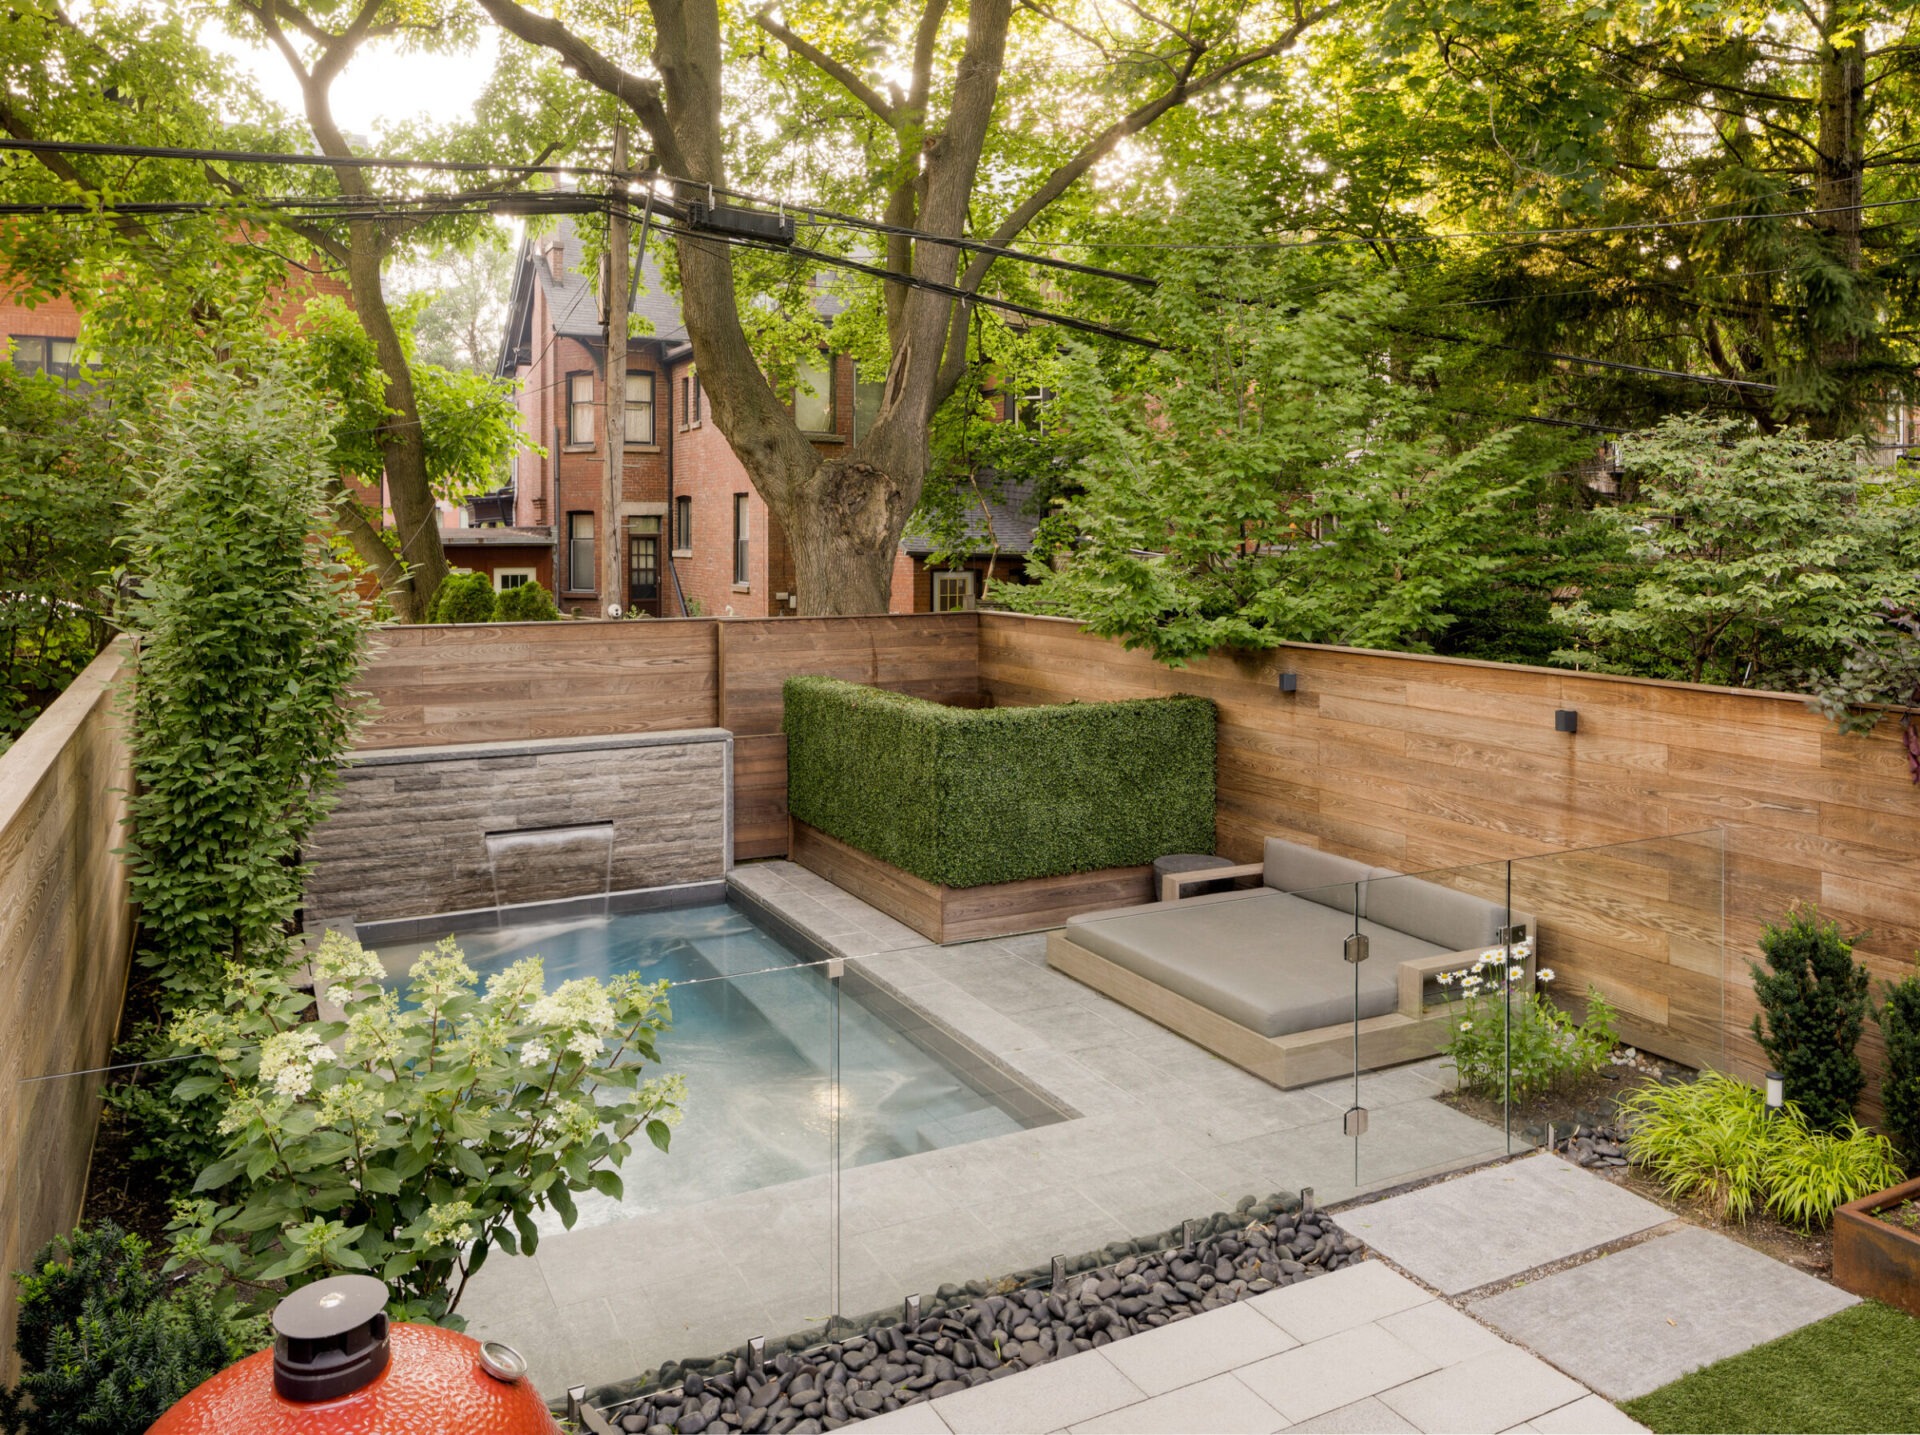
{"x":411,"y":1139}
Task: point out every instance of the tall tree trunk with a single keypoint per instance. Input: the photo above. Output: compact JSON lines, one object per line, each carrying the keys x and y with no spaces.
{"x":1839,"y":189}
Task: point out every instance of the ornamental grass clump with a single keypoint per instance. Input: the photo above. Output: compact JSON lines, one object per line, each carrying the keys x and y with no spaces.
{"x":411,"y":1139}
{"x":1714,"y":1140}
{"x":1507,"y":1043}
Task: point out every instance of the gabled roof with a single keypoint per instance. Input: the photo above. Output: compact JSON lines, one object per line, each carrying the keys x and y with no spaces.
{"x":573,"y":305}
{"x":1005,"y":526}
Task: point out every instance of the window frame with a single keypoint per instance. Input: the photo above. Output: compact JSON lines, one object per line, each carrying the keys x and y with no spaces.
{"x":627,"y":435}
{"x":742,"y":541}
{"x":526,"y":576}
{"x":969,"y":599}
{"x":575,"y":406}
{"x":682,"y":539}
{"x":574,"y":540}
{"x":829,"y":395}
{"x":45,"y":363}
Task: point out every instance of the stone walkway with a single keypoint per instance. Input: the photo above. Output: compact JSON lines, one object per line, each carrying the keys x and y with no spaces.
{"x":1161,"y":1131}
{"x":1362,"y":1349}
{"x":1609,"y":1287}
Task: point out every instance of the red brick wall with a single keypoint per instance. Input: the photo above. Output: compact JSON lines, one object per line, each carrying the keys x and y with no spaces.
{"x":489,"y":558}
{"x":577,"y":471}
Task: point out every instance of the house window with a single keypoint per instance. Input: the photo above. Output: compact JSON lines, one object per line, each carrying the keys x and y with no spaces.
{"x":639,"y":408}
{"x":509,"y":578}
{"x":953,"y":592}
{"x":580,"y":552}
{"x":695,"y":411}
{"x":1028,"y":404}
{"x":740,"y":540}
{"x":813,"y":397}
{"x":683,"y":524}
{"x":867,"y":394}
{"x":579,"y":408}
{"x":38,"y":355}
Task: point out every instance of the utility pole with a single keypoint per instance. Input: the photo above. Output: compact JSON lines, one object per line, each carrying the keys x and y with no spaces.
{"x":611,"y":598}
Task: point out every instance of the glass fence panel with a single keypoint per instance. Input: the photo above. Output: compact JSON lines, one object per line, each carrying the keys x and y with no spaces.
{"x":1440,"y":970}
{"x":1642,"y":925}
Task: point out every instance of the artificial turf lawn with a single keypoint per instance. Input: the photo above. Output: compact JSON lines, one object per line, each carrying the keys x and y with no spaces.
{"x":1851,"y":1371}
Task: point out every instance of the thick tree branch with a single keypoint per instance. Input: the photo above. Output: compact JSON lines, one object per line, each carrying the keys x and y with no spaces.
{"x":637,"y":93}
{"x":842,"y":75}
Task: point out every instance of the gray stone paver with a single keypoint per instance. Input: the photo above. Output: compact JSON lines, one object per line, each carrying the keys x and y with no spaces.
{"x":1497,"y":1223}
{"x":1384,"y":1355}
{"x":1630,"y":1322}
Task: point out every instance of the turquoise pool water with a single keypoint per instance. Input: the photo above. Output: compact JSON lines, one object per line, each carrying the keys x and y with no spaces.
{"x":753,"y":1035}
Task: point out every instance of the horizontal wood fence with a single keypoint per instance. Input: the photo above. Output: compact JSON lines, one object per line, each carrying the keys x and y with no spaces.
{"x":1408,"y":762}
{"x":65,"y":934}
{"x":1421,"y":763}
{"x":517,"y":681}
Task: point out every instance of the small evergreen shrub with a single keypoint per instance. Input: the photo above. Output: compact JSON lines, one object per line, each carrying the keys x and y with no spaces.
{"x":1899,"y":1017}
{"x":105,"y":1345}
{"x":529,"y":603}
{"x":463,"y":598}
{"x":1813,"y":1005}
{"x":969,"y":796}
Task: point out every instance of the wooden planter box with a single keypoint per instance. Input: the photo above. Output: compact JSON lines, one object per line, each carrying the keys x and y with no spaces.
{"x":1874,"y":1259}
{"x":966,"y":914}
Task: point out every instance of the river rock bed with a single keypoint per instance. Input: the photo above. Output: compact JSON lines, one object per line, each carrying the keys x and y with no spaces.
{"x":972,"y":1335}
{"x":1597,"y":1148}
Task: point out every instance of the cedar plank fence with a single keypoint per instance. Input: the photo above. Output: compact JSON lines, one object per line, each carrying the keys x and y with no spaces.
{"x":66,"y":931}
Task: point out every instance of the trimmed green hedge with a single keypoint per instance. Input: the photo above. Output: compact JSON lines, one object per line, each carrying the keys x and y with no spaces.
{"x":966,"y":796}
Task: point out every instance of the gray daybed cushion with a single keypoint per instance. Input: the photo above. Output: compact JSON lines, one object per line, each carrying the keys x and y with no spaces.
{"x":1318,"y":876}
{"x":1453,"y":921}
{"x":1265,"y":960}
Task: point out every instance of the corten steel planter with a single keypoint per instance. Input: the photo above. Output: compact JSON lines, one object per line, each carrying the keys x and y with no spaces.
{"x":1873,"y":1258}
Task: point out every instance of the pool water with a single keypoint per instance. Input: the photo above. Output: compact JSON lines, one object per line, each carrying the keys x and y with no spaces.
{"x":753,"y":1035}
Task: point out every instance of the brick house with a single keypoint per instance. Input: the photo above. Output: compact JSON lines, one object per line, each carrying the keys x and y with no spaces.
{"x":697,"y":538}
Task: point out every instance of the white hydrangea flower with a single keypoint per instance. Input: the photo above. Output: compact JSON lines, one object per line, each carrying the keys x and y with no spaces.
{"x":287,"y":1059}
{"x":451,"y":1223}
{"x":586,"y":1046}
{"x":535,"y":1053}
{"x":295,"y":1081}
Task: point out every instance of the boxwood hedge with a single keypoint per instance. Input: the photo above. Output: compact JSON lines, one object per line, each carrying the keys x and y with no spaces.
{"x":966,"y":796}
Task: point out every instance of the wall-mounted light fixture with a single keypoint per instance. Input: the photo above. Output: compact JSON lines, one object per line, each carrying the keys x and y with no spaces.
{"x":1289,"y":682}
{"x":1566,"y":720}
{"x":1776,"y":1091}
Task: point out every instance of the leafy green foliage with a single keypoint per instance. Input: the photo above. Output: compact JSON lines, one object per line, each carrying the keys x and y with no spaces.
{"x":1764,"y":558}
{"x":60,"y":484}
{"x":468,"y":423}
{"x":105,"y":1345}
{"x":432,"y":1136}
{"x":1293,"y":467}
{"x":1898,"y":1015}
{"x":250,"y":639}
{"x":528,"y":603}
{"x":1813,"y":1006}
{"x":463,"y":598}
{"x":965,"y":797}
{"x":1715,"y":1141}
{"x":1705,"y":1140}
{"x":1510,"y":1044}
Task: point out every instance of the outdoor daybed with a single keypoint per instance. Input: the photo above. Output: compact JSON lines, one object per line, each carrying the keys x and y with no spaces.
{"x":1261,"y":978}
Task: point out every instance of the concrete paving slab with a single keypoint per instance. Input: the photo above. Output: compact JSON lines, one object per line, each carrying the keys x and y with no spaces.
{"x":1589,"y":1415}
{"x":1441,"y":1333}
{"x":1310,"y":1380}
{"x":1220,"y":1406}
{"x":1048,"y":1397}
{"x":921,"y":1419}
{"x":1630,"y":1322}
{"x":1363,"y":1417}
{"x":1327,"y":1305}
{"x":1497,"y":1223}
{"x":1495,"y":1391}
{"x":1195,"y":1348}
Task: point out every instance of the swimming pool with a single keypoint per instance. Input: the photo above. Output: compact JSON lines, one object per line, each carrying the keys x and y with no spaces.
{"x":753,"y":1035}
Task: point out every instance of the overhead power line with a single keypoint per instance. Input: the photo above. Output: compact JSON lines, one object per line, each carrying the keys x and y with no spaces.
{"x":235,"y":156}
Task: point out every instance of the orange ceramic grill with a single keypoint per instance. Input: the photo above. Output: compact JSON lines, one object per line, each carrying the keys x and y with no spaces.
{"x":337,"y":1368}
